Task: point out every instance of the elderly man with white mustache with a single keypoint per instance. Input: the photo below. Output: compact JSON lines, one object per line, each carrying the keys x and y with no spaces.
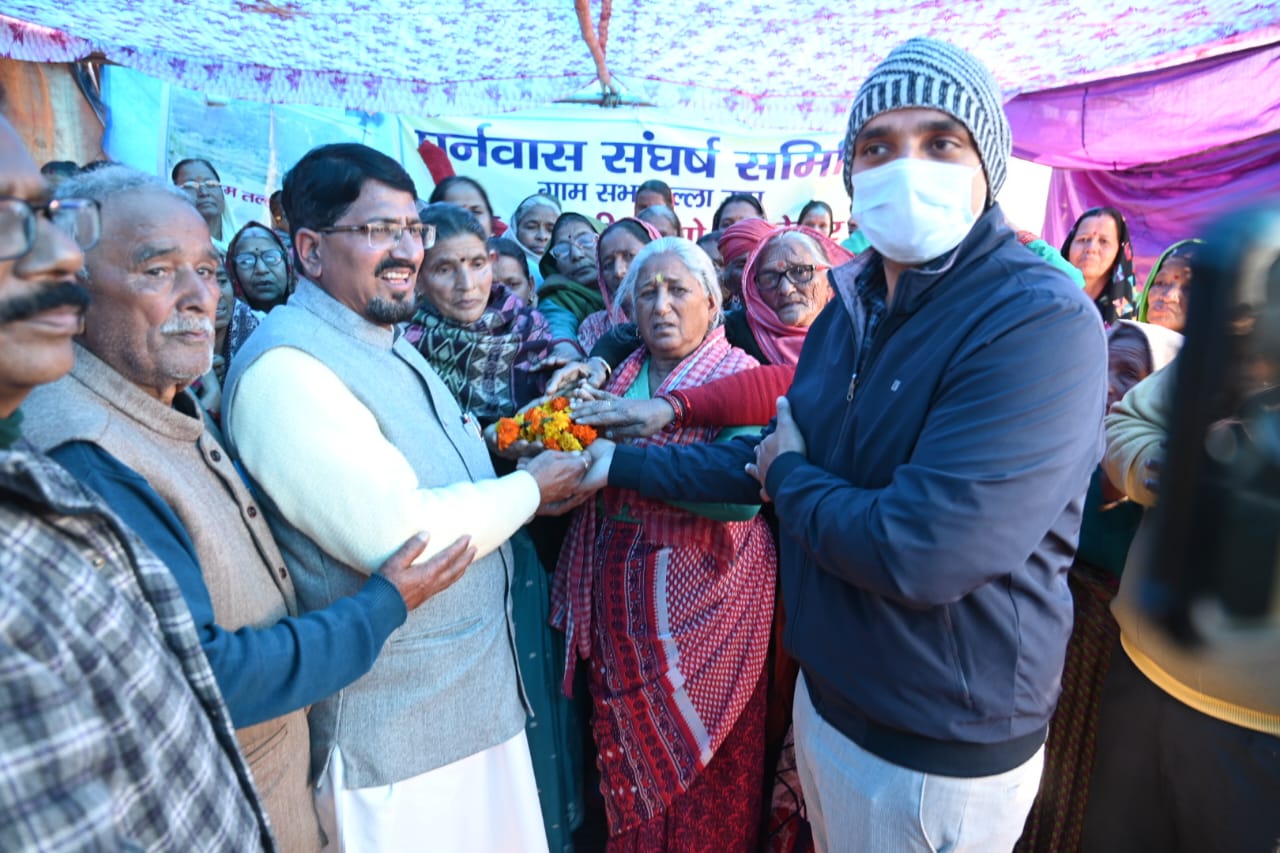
{"x":148,"y":333}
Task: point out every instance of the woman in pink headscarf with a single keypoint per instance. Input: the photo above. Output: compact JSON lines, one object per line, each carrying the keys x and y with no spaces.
{"x":785,"y":286}
{"x":618,"y":246}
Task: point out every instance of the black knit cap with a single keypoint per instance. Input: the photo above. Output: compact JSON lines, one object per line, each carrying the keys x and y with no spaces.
{"x":932,"y":74}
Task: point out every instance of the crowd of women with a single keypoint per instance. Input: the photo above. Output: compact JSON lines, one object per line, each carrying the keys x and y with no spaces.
{"x":648,"y":631}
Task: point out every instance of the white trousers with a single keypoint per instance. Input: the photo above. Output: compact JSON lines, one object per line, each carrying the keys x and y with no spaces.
{"x":857,"y":801}
{"x":487,"y":801}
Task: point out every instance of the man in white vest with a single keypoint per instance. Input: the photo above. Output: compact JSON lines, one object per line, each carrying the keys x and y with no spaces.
{"x":354,"y":442}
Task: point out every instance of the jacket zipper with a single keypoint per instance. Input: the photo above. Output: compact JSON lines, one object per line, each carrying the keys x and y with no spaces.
{"x":887,"y":327}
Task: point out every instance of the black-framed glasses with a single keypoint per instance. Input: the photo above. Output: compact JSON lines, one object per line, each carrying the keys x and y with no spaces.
{"x":797,"y":274}
{"x":585,"y":243}
{"x":195,"y":186}
{"x":78,"y":218}
{"x":248,"y":260}
{"x":385,"y":235}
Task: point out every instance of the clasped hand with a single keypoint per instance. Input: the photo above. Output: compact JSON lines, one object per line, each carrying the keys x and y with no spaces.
{"x":785,"y":438}
{"x":591,"y":474}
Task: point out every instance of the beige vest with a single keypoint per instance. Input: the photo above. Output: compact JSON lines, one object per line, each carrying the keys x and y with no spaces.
{"x":242,"y":567}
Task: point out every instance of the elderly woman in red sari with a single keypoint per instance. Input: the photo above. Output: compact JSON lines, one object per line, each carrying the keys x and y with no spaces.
{"x":671,"y":605}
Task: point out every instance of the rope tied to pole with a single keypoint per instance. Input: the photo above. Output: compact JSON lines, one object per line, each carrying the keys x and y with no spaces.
{"x":597,"y":39}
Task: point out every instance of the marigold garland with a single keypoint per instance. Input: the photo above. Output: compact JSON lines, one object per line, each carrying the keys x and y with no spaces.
{"x":549,"y":424}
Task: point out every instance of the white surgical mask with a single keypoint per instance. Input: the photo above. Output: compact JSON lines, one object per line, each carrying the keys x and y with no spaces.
{"x":914,"y":210}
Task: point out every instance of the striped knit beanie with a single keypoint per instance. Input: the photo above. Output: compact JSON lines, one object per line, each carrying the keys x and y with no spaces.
{"x":931,"y":74}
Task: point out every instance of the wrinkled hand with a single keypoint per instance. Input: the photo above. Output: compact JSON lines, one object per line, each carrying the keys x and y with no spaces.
{"x":616,"y":417}
{"x":597,"y":477}
{"x":785,"y":438}
{"x":418,"y":582}
{"x":590,"y":372}
{"x":558,"y":474}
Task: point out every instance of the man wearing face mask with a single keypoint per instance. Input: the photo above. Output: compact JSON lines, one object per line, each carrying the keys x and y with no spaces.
{"x":928,"y":468}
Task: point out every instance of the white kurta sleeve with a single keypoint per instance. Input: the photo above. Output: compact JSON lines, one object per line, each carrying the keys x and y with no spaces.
{"x":319,"y":454}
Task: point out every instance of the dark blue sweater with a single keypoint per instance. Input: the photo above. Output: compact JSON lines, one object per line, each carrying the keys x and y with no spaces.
{"x":263,"y":673}
{"x":927,"y":531}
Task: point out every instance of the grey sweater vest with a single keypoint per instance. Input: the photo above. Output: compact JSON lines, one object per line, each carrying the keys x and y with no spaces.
{"x":169,"y":447}
{"x":446,"y":684}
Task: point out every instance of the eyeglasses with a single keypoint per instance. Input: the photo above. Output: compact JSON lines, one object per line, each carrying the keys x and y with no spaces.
{"x":585,"y":243}
{"x":79,"y":218}
{"x":196,"y":186}
{"x":385,"y":235}
{"x":798,"y":275}
{"x":248,"y":260}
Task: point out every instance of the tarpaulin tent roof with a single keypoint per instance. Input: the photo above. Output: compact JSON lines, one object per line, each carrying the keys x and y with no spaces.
{"x":793,"y":64}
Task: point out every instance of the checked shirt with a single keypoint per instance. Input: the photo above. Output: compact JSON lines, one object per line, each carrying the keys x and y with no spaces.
{"x":113,"y":735}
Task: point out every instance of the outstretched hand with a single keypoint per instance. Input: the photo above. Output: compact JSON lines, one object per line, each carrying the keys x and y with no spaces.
{"x":785,"y":438}
{"x":558,"y":474}
{"x":418,"y":582}
{"x":576,"y":374}
{"x":617,"y":417}
{"x":596,"y":477}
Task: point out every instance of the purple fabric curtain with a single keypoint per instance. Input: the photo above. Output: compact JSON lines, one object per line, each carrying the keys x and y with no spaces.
{"x":1153,"y":117}
{"x":1171,"y":149}
{"x":1167,"y":202}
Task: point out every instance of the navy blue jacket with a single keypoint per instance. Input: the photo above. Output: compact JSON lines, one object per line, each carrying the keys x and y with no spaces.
{"x":927,"y":531}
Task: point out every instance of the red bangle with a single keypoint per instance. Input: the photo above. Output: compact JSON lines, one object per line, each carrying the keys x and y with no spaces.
{"x":679,"y":405}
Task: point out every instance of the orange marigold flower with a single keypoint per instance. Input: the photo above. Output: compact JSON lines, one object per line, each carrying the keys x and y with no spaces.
{"x":550,"y":423}
{"x":508,"y":432}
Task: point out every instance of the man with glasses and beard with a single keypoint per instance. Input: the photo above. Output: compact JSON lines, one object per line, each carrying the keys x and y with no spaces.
{"x":112,"y":732}
{"x":354,"y":442}
{"x":148,"y":333}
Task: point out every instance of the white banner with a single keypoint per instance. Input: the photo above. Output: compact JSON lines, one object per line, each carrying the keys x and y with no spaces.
{"x":590,"y":158}
{"x":593,"y":164}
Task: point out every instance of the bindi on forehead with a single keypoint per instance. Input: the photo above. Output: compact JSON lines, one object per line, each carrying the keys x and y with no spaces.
{"x":459,"y":257}
{"x":577,"y":229}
